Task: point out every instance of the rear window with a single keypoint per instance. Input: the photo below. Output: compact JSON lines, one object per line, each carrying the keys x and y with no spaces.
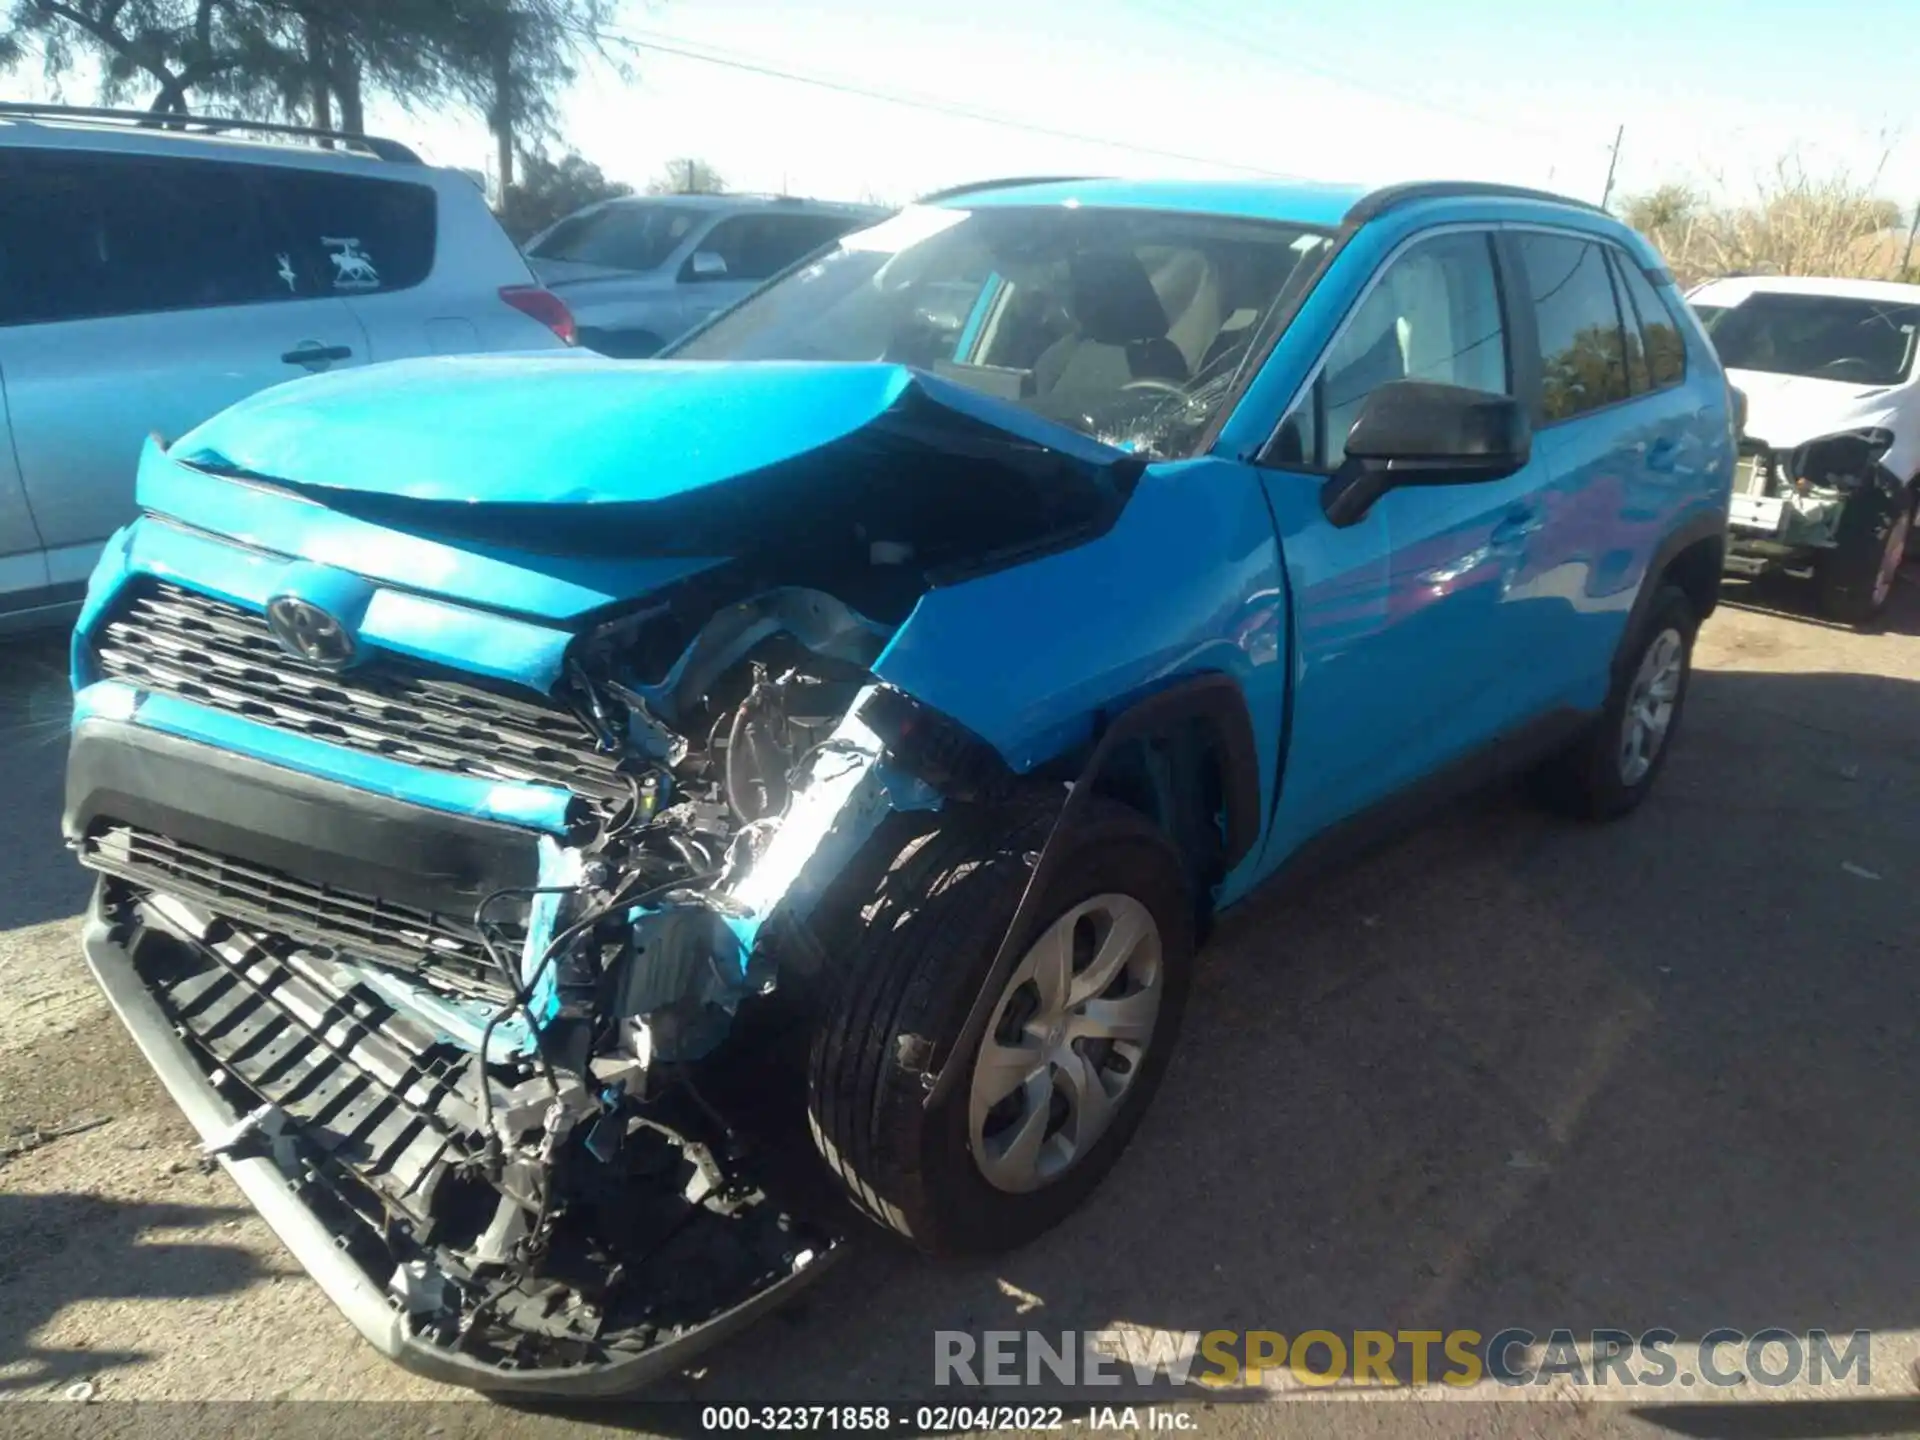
{"x":621,"y":236}
{"x":352,"y":234}
{"x":84,"y":236}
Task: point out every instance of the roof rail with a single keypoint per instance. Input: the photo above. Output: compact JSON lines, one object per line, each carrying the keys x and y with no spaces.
{"x":1010,"y":182}
{"x":1378,"y":202}
{"x":374,"y":145}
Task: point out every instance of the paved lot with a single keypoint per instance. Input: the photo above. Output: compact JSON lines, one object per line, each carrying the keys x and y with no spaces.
{"x":1511,"y":1072}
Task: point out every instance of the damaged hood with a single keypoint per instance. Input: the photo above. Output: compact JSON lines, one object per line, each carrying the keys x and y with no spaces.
{"x":1789,"y":410}
{"x":556,"y":484}
{"x":571,"y":431}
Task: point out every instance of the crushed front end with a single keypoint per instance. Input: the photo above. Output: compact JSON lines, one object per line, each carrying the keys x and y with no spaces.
{"x":1786,"y":511}
{"x":456,"y":892}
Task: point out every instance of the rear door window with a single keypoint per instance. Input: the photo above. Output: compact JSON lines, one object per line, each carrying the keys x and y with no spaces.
{"x":1648,"y":317}
{"x":349,"y":235}
{"x":1583,"y":358}
{"x":84,"y":236}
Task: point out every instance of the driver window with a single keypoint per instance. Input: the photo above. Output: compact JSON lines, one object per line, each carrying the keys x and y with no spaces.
{"x":1433,"y":314}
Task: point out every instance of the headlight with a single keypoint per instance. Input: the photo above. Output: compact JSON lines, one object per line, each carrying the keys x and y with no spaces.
{"x":1843,"y":461}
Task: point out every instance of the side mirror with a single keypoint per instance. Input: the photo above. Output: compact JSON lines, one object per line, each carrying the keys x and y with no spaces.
{"x":705,"y":265}
{"x":1412,"y":432}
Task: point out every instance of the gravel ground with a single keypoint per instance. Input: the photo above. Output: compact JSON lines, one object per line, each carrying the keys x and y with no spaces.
{"x":1509,"y":1072}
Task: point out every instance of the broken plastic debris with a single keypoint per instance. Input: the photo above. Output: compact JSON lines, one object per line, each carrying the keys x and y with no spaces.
{"x":1860,"y":870}
{"x":80,"y":1390}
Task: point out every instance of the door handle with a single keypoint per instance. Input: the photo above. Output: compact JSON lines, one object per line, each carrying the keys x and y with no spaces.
{"x":1660,"y":454}
{"x":1517,"y":526}
{"x":312,"y":355}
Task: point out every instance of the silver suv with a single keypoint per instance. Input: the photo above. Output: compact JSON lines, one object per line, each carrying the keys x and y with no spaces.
{"x":149,"y":278}
{"x":640,"y":272}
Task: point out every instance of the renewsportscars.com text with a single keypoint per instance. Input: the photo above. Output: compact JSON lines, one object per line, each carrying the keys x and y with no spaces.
{"x":1656,"y":1358}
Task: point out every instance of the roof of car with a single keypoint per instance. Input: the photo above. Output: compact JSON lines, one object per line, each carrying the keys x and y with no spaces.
{"x":1303,"y":202}
{"x":726,"y":201}
{"x":1735,"y":288}
{"x":50,"y":131}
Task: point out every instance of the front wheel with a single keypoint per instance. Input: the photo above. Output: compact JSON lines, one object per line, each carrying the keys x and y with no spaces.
{"x":1079,"y":1032}
{"x":1857,"y":576}
{"x":1611,"y":767}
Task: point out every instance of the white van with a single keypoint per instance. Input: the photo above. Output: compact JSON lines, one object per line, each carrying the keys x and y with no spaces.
{"x":151,"y":277}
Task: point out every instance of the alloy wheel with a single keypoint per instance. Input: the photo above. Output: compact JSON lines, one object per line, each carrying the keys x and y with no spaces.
{"x":1649,"y":712}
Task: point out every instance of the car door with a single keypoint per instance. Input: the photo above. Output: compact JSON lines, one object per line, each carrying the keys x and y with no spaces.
{"x":1411,"y":649}
{"x":23,"y":565}
{"x":143,"y":293}
{"x":1610,"y":441}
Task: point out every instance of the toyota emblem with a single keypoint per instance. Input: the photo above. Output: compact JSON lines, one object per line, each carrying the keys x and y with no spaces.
{"x":307,"y":632}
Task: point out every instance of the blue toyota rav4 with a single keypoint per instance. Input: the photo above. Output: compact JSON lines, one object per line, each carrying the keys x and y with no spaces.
{"x":572,"y":834}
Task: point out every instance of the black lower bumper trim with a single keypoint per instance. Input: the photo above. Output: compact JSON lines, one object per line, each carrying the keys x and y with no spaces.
{"x":358,"y":1298}
{"x":326,"y":832}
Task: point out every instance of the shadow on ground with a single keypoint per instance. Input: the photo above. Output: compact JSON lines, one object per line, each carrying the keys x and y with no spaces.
{"x":82,"y":1247}
{"x":1787,"y":598}
{"x":1512,"y":1072}
{"x":38,"y":881}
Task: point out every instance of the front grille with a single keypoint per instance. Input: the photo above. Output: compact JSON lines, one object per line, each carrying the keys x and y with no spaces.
{"x":369,"y":1087}
{"x":440,"y":950}
{"x":179,"y":642}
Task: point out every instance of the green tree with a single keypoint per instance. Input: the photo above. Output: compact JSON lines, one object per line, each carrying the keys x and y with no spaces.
{"x":549,"y":189}
{"x":315,"y":59}
{"x":687,"y":177}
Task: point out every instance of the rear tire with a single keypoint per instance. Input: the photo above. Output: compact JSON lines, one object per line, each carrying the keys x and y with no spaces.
{"x":1612,"y":766}
{"x":910,"y":957}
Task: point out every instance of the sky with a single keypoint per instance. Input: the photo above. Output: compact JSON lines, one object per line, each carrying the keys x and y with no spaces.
{"x":1526,"y":91}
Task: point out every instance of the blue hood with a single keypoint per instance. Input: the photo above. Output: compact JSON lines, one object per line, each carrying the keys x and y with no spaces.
{"x":567,"y":430}
{"x":558,"y":485}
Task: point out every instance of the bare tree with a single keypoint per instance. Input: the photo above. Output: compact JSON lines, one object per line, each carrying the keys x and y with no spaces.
{"x":1796,"y":223}
{"x":687,"y":177}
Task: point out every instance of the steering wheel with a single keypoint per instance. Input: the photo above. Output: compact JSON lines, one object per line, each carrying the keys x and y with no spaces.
{"x":1158,"y":386}
{"x":1844,"y":363}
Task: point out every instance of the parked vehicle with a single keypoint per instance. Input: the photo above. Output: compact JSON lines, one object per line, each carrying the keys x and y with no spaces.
{"x":149,"y":278}
{"x":640,"y":271}
{"x":1829,"y":476}
{"x":530,"y":877}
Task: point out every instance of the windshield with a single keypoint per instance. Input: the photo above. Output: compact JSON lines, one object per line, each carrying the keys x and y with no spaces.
{"x":1130,"y":326}
{"x":622,"y":236}
{"x":1819,"y":337}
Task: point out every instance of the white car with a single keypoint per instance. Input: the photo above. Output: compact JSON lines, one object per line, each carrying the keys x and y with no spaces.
{"x":1826,"y":486}
{"x":150,"y":278}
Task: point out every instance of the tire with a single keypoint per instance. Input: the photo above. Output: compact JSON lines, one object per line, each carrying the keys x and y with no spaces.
{"x":1856,"y":577}
{"x":1592,"y":778}
{"x":910,"y":958}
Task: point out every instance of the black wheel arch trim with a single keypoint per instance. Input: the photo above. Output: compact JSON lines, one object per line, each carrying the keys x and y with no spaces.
{"x":1699,"y":528}
{"x":1213,"y":699}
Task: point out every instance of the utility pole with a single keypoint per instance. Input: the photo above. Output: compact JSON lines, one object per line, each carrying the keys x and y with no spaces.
{"x":1613,"y":162}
